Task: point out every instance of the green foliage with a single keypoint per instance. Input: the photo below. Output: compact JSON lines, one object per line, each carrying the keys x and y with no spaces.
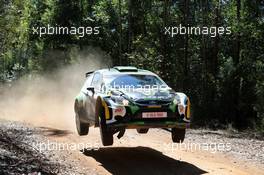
{"x":222,"y":75}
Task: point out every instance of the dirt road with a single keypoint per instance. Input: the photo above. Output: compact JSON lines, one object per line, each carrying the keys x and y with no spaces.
{"x":32,"y":149}
{"x":152,"y":153}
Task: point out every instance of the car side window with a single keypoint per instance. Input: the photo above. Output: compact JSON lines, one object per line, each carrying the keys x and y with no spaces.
{"x":97,"y":79}
{"x":87,"y":83}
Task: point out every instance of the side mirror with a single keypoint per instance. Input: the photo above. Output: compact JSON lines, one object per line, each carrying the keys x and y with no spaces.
{"x":91,"y":89}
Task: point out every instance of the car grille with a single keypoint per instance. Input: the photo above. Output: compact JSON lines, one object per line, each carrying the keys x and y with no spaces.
{"x":152,"y":102}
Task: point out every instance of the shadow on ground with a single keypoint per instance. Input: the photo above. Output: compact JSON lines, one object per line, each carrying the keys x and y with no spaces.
{"x":54,"y":132}
{"x":140,"y":160}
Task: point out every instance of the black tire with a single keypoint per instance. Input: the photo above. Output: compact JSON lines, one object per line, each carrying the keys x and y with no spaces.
{"x":106,"y":133}
{"x":142,"y":130}
{"x":178,"y":135}
{"x":82,"y":128}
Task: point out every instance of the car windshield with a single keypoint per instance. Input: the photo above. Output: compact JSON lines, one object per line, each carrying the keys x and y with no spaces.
{"x":132,"y":80}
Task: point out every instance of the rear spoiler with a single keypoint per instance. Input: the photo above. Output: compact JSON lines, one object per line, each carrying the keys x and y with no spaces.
{"x":88,"y":73}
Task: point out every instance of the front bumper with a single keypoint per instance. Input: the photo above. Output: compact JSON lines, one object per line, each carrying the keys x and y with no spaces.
{"x":132,"y":118}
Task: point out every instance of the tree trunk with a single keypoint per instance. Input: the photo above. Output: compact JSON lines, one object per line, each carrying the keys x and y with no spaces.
{"x":236,"y":59}
{"x":186,"y":45}
{"x":120,"y":33}
{"x":129,"y":42}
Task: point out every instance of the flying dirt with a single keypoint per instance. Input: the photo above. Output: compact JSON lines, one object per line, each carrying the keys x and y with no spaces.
{"x":47,"y":99}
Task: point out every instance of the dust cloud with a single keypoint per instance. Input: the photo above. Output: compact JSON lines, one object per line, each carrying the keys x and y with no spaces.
{"x":47,"y":100}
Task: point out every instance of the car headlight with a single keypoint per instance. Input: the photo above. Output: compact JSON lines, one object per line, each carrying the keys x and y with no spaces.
{"x":125,"y":102}
{"x":121,"y":101}
{"x":177,"y":100}
{"x":181,"y":99}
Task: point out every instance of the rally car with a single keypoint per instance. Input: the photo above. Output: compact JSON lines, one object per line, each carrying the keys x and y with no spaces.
{"x":124,"y":97}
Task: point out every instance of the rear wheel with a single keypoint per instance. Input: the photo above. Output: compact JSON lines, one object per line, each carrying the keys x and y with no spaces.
{"x":178,"y":135}
{"x":82,"y":128}
{"x":106,"y":133}
{"x":142,"y":130}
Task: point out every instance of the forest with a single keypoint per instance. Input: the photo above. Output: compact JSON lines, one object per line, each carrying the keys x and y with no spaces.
{"x":223,"y":75}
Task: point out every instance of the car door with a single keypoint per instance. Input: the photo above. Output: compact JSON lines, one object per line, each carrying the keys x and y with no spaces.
{"x":96,"y":82}
{"x":87,"y":95}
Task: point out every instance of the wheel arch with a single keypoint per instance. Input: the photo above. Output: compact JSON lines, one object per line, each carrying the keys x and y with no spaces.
{"x":76,"y":105}
{"x":101,"y":105}
{"x":98,"y":105}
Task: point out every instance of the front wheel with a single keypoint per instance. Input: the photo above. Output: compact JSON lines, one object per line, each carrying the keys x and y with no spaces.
{"x":178,"y":135}
{"x":106,"y":133}
{"x":82,"y":128}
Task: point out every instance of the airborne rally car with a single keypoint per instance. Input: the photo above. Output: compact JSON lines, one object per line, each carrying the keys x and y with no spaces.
{"x":121,"y":98}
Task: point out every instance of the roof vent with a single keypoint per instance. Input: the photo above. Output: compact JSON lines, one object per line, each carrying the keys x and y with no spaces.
{"x":126,"y":68}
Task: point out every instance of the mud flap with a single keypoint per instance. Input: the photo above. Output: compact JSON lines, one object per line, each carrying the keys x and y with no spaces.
{"x":121,"y":133}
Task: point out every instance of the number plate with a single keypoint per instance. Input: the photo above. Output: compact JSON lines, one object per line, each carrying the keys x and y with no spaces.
{"x":154,"y":114}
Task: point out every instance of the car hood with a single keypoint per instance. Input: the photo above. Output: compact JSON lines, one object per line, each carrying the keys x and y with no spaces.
{"x":149,"y":94}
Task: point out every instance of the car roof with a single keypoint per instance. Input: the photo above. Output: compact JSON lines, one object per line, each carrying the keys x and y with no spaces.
{"x":125,"y":70}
